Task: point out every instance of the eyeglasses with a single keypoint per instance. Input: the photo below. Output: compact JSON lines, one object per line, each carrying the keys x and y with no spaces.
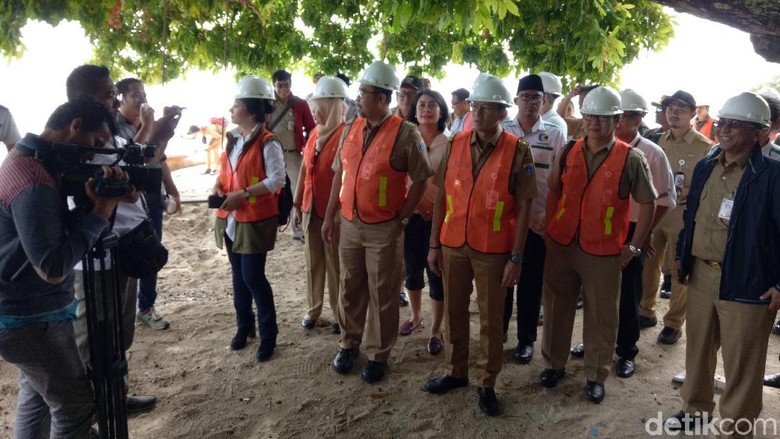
{"x":592,"y":117}
{"x":530,"y":98}
{"x":362,"y":93}
{"x":629,"y":114}
{"x":476,"y":107}
{"x":734,"y":124}
{"x":660,"y":110}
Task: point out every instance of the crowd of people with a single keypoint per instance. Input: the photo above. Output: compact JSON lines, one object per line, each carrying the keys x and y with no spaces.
{"x":543,"y":210}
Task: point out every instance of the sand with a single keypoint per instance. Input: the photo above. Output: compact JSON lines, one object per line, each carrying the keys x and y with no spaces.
{"x":207,"y":391}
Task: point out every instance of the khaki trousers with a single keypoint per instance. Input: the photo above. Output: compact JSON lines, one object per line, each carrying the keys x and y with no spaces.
{"x":371,"y":261}
{"x":321,"y":260}
{"x":665,"y":237}
{"x":567,"y":269}
{"x":460,"y":267}
{"x":742,"y":332}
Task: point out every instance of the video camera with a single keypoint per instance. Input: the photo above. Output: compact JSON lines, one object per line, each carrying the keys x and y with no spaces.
{"x":70,"y":163}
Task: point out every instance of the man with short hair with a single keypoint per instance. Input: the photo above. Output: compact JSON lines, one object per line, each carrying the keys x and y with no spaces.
{"x":683,"y":146}
{"x":588,"y":223}
{"x":460,"y":119}
{"x":704,"y":123}
{"x":9,"y":134}
{"x":405,"y":96}
{"x":725,"y":254}
{"x":480,"y":222}
{"x":546,"y":141}
{"x":654,"y":134}
{"x":291,"y":122}
{"x":39,"y":245}
{"x":552,"y":91}
{"x":368,"y":209}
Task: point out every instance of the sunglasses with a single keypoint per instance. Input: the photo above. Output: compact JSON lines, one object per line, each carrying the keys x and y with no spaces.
{"x":734,"y":124}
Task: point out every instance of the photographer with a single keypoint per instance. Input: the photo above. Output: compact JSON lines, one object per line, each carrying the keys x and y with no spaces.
{"x":39,"y":246}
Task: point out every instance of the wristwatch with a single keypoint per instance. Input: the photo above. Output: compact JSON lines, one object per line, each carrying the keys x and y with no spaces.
{"x":516,"y":259}
{"x":403,"y":220}
{"x":246,"y":192}
{"x":634,"y":251}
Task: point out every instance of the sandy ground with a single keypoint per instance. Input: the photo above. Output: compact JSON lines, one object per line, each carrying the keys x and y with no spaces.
{"x":207,"y":391}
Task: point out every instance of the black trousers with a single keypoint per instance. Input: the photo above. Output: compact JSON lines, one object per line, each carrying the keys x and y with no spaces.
{"x":529,"y":290}
{"x":630,"y":296}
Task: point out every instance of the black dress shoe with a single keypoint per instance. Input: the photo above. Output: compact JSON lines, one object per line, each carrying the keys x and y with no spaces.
{"x":444,"y":383}
{"x":374,"y":371}
{"x":524,"y":353}
{"x":647,"y":322}
{"x":772,"y":380}
{"x":488,"y":402}
{"x":625,"y":368}
{"x":669,"y":335}
{"x":140,"y":403}
{"x":578,"y":351}
{"x":308,"y":323}
{"x":266,"y":350}
{"x":335,"y":328}
{"x":682,"y":421}
{"x":776,"y":328}
{"x":594,"y":392}
{"x":403,"y":300}
{"x":549,"y":377}
{"x":239,"y":340}
{"x":345,"y":360}
{"x":666,"y":294}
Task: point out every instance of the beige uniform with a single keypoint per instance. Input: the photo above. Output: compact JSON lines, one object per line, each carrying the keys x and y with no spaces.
{"x":568,"y":269}
{"x":683,"y":154}
{"x":462,"y":266}
{"x":371,"y":256}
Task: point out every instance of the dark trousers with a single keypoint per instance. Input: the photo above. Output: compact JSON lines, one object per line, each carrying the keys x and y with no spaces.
{"x":249,"y":282}
{"x":630,"y":296}
{"x":147,"y":286}
{"x":529,"y":290}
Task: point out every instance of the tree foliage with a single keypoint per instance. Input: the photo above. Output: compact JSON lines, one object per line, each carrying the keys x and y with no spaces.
{"x":158,"y":40}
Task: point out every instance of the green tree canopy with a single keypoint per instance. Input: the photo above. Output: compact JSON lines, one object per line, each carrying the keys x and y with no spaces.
{"x":158,"y":40}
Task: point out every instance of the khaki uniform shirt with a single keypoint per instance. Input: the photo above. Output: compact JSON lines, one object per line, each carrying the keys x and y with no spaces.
{"x":635,"y":179}
{"x":285,"y":129}
{"x":683,"y":154}
{"x":409,"y":151}
{"x":712,"y":227}
{"x":522,"y":184}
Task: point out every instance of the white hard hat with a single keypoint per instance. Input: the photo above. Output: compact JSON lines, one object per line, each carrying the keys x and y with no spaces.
{"x":632,"y":101}
{"x":748,"y":107}
{"x":330,"y":87}
{"x":254,"y":87}
{"x":602,"y":101}
{"x":490,"y":89}
{"x":481,"y":77}
{"x":551,"y":83}
{"x":381,"y":75}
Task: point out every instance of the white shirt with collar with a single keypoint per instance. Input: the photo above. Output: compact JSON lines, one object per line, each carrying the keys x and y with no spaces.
{"x":660,"y":173}
{"x":546,"y":141}
{"x":771,"y":149}
{"x":274,"y":168}
{"x":554,"y":118}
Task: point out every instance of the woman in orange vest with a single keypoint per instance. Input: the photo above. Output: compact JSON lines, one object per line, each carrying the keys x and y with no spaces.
{"x":429,"y":112}
{"x":251,"y":174}
{"x":312,"y":195}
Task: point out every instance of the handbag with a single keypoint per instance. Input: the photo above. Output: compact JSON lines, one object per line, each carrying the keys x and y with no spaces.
{"x":140,"y":253}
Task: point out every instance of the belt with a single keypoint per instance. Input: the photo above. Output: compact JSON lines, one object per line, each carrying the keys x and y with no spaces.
{"x":290,"y":150}
{"x":712,"y":264}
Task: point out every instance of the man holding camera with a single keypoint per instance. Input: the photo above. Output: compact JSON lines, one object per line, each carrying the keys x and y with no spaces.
{"x":39,"y":245}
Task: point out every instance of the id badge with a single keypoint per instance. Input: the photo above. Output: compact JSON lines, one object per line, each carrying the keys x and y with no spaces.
{"x":725,"y":209}
{"x":291,"y":126}
{"x":679,"y":179}
{"x":491,"y":198}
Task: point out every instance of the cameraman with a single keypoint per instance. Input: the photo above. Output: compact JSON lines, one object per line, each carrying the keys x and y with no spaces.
{"x":39,"y":245}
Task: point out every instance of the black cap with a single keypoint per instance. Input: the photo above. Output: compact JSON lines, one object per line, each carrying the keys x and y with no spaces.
{"x":659,"y":104}
{"x":681,"y":96}
{"x":530,"y":82}
{"x":412,"y":81}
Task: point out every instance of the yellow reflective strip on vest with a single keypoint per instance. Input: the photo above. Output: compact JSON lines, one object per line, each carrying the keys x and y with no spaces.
{"x":450,"y":210}
{"x":560,"y":212}
{"x":497,"y":216}
{"x":608,"y":220}
{"x":382,"y":191}
{"x":254,"y":181}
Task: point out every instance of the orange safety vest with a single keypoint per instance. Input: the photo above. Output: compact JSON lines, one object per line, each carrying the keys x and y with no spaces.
{"x":480,"y":213}
{"x":592,"y":206}
{"x":319,"y":172}
{"x":249,"y":170}
{"x":706,"y":128}
{"x":370,"y":185}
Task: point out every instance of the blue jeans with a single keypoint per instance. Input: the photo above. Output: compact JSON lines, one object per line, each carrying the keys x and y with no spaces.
{"x":249,"y":282}
{"x":147,"y":286}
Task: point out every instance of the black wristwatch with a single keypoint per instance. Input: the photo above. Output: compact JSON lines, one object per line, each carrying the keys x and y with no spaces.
{"x":516,"y":259}
{"x":402,"y":219}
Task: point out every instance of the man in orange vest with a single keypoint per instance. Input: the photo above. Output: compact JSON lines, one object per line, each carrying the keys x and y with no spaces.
{"x":587,"y":226}
{"x":704,"y":123}
{"x":377,"y":153}
{"x":480,"y":221}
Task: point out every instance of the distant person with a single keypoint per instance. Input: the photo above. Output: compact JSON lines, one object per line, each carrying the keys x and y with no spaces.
{"x":409,"y":88}
{"x":654,"y":134}
{"x":291,"y":122}
{"x":215,"y":135}
{"x":461,"y":118}
{"x":704,"y":123}
{"x":315,"y":79}
{"x":552,"y":91}
{"x":574,"y":127}
{"x":9,"y":134}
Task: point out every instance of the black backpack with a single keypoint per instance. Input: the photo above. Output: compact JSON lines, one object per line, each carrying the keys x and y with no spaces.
{"x":285,"y":202}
